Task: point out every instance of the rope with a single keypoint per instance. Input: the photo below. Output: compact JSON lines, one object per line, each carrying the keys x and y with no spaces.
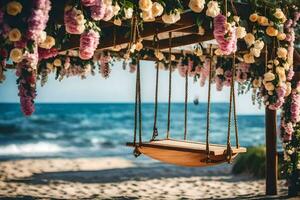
{"x":233,"y":8}
{"x":185,"y":104}
{"x":135,"y":109}
{"x":231,"y":101}
{"x":235,"y":121}
{"x":170,"y":86}
{"x":225,"y":7}
{"x":139,"y":102}
{"x":208,"y":106}
{"x":138,"y":112}
{"x":155,"y":132}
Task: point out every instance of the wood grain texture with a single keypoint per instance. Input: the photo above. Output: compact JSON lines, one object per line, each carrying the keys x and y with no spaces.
{"x":186,"y":153}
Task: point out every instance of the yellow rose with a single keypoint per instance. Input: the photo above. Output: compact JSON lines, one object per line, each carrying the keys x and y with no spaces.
{"x":13,"y":8}
{"x":16,"y":55}
{"x":248,"y":58}
{"x":57,"y":62}
{"x":276,"y":62}
{"x":280,"y":70}
{"x":249,"y":39}
{"x":236,"y":18}
{"x":49,"y":66}
{"x":253,"y":17}
{"x":282,"y":53}
{"x":256,"y":83}
{"x":279,"y":14}
{"x":139,"y":46}
{"x":269,"y":76}
{"x":196,"y":5}
{"x":271,"y":31}
{"x":159,"y":55}
{"x":118,"y":22}
{"x":145,"y":5}
{"x":157,"y":9}
{"x":48,"y":43}
{"x":173,"y":57}
{"x":147,"y":16}
{"x":269,"y":86}
{"x":263,"y":21}
{"x":281,"y":36}
{"x":14,"y":35}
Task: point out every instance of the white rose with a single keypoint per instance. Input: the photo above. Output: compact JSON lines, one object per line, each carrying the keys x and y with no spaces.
{"x":145,"y":5}
{"x":128,"y":13}
{"x":42,"y":37}
{"x":201,"y":30}
{"x":219,"y":71}
{"x":255,"y":52}
{"x":171,"y":18}
{"x":108,"y":13}
{"x":213,"y":9}
{"x":279,"y":14}
{"x":157,"y":9}
{"x":48,"y":43}
{"x":116,"y":9}
{"x":258,"y":44}
{"x":196,"y":5}
{"x":240,"y":32}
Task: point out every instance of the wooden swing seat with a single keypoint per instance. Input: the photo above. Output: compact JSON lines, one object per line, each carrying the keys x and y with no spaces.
{"x":186,"y":153}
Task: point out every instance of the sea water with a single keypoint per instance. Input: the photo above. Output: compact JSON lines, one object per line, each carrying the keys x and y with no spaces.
{"x":96,"y":130}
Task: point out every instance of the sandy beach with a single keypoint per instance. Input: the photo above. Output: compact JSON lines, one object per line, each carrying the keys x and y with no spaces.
{"x":118,"y":178}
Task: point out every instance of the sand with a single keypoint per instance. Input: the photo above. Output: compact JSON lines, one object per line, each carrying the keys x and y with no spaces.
{"x":119,"y":178}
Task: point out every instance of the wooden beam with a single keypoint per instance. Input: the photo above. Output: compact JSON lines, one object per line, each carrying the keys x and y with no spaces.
{"x":271,"y":152}
{"x":179,"y":41}
{"x":187,"y":20}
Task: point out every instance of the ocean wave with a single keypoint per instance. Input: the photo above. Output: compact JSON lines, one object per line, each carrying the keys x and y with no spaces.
{"x":32,"y":149}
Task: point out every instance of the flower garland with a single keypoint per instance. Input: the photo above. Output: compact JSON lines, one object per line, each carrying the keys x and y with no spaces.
{"x":26,"y":74}
{"x":89,"y":42}
{"x":104,"y":65}
{"x":290,"y":133}
{"x":225,"y":34}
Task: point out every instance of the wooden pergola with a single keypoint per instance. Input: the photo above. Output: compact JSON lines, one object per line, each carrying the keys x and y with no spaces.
{"x":185,"y":32}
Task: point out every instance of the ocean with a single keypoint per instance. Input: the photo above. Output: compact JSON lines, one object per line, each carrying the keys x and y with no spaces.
{"x":98,"y":130}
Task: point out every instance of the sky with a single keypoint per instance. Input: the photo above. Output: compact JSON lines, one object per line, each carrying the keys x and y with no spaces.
{"x":120,"y":87}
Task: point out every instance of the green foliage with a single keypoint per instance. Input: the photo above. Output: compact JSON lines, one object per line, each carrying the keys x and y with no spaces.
{"x":252,"y":162}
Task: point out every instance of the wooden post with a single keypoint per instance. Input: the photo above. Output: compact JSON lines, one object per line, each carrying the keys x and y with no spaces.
{"x":271,"y":152}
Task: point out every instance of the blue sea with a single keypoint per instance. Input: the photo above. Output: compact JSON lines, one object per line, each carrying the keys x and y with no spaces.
{"x":96,"y":130}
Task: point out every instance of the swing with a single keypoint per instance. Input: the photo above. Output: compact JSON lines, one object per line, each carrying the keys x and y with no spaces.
{"x":184,"y":152}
